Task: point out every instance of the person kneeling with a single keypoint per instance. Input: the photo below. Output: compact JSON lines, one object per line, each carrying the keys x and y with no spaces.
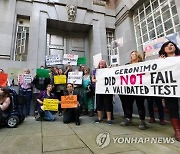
{"x":71,"y":114}
{"x":46,"y":115}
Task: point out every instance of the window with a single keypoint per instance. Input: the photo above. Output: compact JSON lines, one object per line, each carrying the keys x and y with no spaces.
{"x":22,"y":39}
{"x":110,"y":38}
{"x":157,"y":18}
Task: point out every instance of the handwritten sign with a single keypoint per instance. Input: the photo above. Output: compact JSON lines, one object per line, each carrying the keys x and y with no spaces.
{"x":160,"y":77}
{"x":53,"y":60}
{"x":50,"y":104}
{"x":69,"y":101}
{"x":3,"y":79}
{"x":75,"y":77}
{"x":60,"y":79}
{"x":25,"y":78}
{"x":70,"y":59}
{"x":81,"y":60}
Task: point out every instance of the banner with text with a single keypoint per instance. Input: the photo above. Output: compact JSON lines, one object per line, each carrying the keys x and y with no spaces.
{"x":160,"y":77}
{"x":25,"y":78}
{"x":69,"y":101}
{"x":50,"y":104}
{"x":70,"y":59}
{"x":75,"y":77}
{"x":3,"y":79}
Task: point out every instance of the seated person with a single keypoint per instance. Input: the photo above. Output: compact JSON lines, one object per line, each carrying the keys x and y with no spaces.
{"x":47,"y":115}
{"x":4,"y":102}
{"x":71,"y":114}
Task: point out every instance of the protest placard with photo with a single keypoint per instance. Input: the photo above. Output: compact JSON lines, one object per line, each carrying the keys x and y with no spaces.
{"x":160,"y":77}
{"x":69,"y":101}
{"x":70,"y":59}
{"x":75,"y":77}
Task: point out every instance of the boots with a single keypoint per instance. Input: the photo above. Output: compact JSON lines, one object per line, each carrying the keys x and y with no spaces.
{"x":176,"y":126}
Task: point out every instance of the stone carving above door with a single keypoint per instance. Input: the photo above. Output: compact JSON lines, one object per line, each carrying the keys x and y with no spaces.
{"x":72,"y":11}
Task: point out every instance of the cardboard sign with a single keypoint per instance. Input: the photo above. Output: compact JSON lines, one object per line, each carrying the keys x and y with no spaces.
{"x":160,"y":77}
{"x":50,"y":104}
{"x":70,"y":59}
{"x":53,"y":60}
{"x":81,"y":60}
{"x":43,"y":73}
{"x":25,"y":78}
{"x":69,"y":101}
{"x":60,"y":79}
{"x":96,"y":59}
{"x":75,"y":77}
{"x":3,"y":79}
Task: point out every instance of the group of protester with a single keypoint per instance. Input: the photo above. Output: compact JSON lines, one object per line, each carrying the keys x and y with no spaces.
{"x":47,"y":89}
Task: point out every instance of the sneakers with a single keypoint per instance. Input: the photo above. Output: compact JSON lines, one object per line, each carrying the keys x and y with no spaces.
{"x":162,"y":122}
{"x":109,"y":122}
{"x":142,"y":125}
{"x":126,"y":122}
{"x":152,"y":120}
{"x":97,"y":121}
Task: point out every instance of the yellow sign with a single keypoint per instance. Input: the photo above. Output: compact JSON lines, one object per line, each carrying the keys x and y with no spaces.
{"x":69,"y":101}
{"x":50,"y":104}
{"x":60,"y":79}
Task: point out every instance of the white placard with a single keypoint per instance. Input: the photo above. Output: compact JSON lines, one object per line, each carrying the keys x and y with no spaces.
{"x":25,"y":78}
{"x":96,"y":59}
{"x":114,"y":59}
{"x":53,"y":60}
{"x":160,"y":77}
{"x":75,"y":77}
{"x":70,"y":59}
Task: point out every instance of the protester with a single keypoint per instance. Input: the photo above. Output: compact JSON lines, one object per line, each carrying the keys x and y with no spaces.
{"x":88,"y":103}
{"x":26,"y":90}
{"x":128,"y":101}
{"x":46,"y":115}
{"x":71,"y":114}
{"x":170,"y":49}
{"x":103,"y":101}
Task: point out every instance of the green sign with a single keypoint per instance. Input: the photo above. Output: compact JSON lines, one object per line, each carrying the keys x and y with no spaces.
{"x":42,"y":72}
{"x":81,"y":60}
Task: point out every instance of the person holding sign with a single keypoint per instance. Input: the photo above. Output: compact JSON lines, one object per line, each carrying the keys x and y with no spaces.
{"x":46,"y":115}
{"x":26,"y":90}
{"x":170,"y":49}
{"x":71,"y":113}
{"x":127,"y":101}
{"x":103,"y":101}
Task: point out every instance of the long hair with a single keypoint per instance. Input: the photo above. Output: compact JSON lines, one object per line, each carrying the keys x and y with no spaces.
{"x":138,"y":56}
{"x":6,"y":92}
{"x":162,"y":51}
{"x":104,"y":62}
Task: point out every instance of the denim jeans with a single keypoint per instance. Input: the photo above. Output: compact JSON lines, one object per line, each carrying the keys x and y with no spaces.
{"x":48,"y":116}
{"x":28,"y":95}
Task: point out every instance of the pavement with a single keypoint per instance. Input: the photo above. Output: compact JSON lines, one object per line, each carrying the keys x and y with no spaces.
{"x":38,"y":137}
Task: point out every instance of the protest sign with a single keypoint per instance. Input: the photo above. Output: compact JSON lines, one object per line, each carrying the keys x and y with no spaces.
{"x":13,"y":74}
{"x":114,"y":60}
{"x":160,"y":77}
{"x":96,"y":59}
{"x":60,"y":79}
{"x":69,"y":101}
{"x":43,"y":73}
{"x":75,"y":77}
{"x":53,"y":60}
{"x":25,"y":78}
{"x":50,"y":104}
{"x":152,"y":47}
{"x":81,"y":60}
{"x":3,"y":79}
{"x":70,"y":59}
